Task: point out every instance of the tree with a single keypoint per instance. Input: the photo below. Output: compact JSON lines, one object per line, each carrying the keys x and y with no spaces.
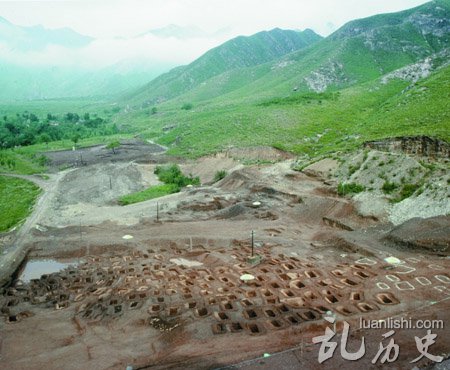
{"x":45,"y":138}
{"x":75,"y":138}
{"x":113,"y":145}
{"x":33,"y":118}
{"x":154,"y":110}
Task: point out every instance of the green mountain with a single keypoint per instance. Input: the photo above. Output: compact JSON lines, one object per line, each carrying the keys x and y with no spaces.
{"x":360,"y":51}
{"x":237,"y":53}
{"x":381,"y":76}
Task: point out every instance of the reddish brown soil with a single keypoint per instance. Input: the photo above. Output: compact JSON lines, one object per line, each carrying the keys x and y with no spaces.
{"x":128,"y":303}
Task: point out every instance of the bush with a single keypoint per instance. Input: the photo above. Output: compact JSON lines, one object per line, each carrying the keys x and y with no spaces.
{"x":113,"y":145}
{"x":187,"y":106}
{"x":351,"y":188}
{"x":172,"y":174}
{"x":407,"y":191}
{"x":219,"y":175}
{"x":389,"y":187}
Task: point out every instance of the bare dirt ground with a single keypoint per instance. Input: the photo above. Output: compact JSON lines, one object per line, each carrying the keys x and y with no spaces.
{"x":135,"y":302}
{"x":129,"y":150}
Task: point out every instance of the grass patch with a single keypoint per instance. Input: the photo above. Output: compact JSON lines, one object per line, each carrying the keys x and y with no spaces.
{"x":17,"y":197}
{"x":300,"y":99}
{"x":389,"y":187}
{"x":406,"y":191}
{"x":173,"y":178}
{"x":150,"y":193}
{"x":351,"y":188}
{"x":219,"y":175}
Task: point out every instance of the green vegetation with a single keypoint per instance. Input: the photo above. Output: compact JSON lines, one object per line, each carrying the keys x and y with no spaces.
{"x":27,"y":128}
{"x":172,"y":174}
{"x":353,"y":168}
{"x":240,"y":52}
{"x":150,"y":193}
{"x":255,"y":91}
{"x":389,"y":187}
{"x":17,"y":197}
{"x":187,"y":106}
{"x":21,"y":161}
{"x":219,"y":175}
{"x":406,"y":191}
{"x":301,"y":98}
{"x":270,"y":100}
{"x":350,"y":188}
{"x":113,"y":145}
{"x":173,"y":178}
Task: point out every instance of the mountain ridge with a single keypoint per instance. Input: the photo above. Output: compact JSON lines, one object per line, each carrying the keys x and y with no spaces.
{"x":38,"y":37}
{"x":360,"y":51}
{"x":242,"y":51}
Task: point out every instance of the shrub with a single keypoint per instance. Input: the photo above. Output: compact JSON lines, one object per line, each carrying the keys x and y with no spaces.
{"x":172,"y":174}
{"x":351,"y":188}
{"x":113,"y":145}
{"x":406,"y":191}
{"x":187,"y":106}
{"x":353,"y":169}
{"x":389,"y":187}
{"x":219,"y":175}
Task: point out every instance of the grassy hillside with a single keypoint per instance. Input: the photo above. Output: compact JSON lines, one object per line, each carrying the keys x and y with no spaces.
{"x":240,"y":52}
{"x":361,"y":51}
{"x":307,"y":122}
{"x":329,"y":95}
{"x":17,"y":197}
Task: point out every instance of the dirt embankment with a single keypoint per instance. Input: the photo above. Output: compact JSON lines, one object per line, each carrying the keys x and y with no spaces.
{"x":394,"y":187}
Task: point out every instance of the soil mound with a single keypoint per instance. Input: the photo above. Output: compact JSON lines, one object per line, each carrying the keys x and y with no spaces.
{"x":259,"y":153}
{"x":237,"y":180}
{"x":99,"y":184}
{"x":430,"y":234}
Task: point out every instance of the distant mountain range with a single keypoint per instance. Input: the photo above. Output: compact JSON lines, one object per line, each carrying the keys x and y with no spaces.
{"x":38,"y":38}
{"x":23,"y":76}
{"x":264,"y":65}
{"x":278,"y":62}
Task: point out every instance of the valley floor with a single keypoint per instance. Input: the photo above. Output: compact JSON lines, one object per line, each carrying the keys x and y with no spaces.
{"x":169,"y":294}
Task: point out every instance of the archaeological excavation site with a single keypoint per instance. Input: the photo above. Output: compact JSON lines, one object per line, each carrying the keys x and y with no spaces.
{"x":235,"y":273}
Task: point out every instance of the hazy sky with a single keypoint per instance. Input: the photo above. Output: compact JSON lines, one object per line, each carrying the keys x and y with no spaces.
{"x":110,"y":19}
